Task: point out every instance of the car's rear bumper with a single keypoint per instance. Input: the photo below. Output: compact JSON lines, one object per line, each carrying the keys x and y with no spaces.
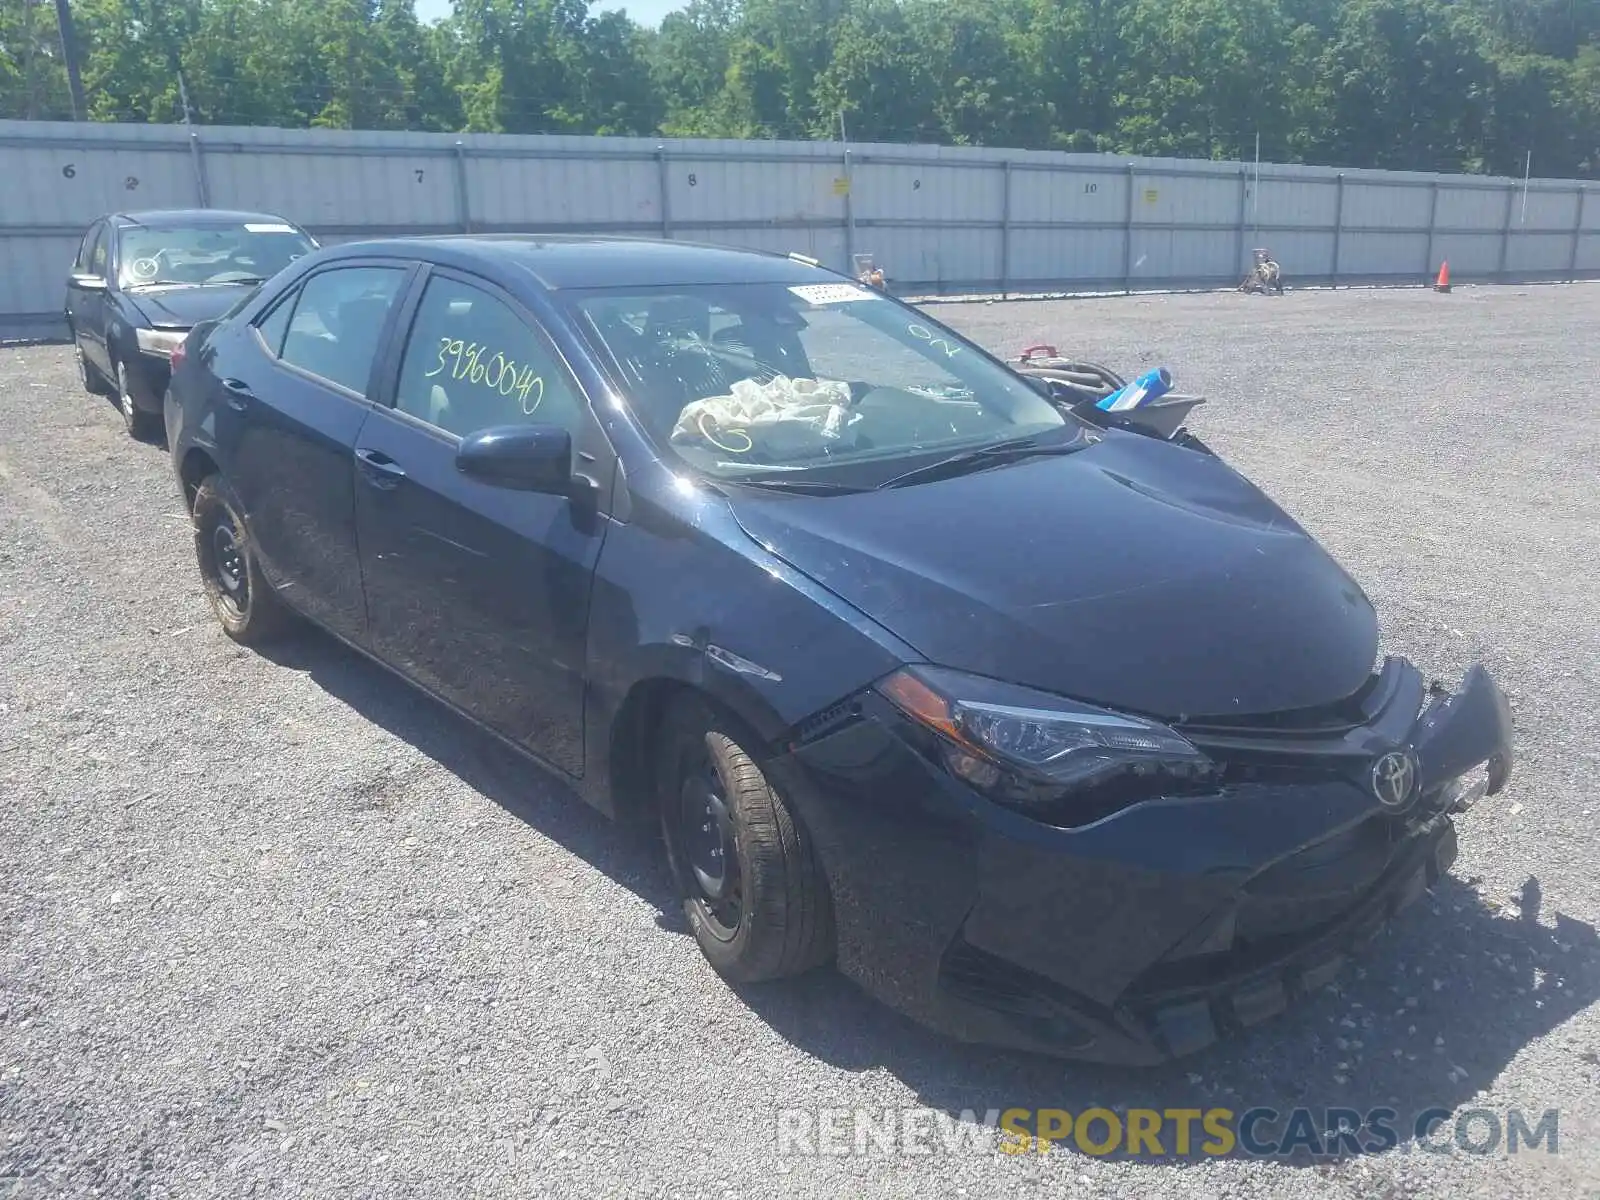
{"x":1147,"y":935}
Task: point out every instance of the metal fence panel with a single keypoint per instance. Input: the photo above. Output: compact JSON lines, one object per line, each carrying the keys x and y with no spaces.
{"x":707,"y":190}
{"x":320,"y":190}
{"x":926,"y":194}
{"x":1069,"y":196}
{"x":1298,"y":202}
{"x":1549,"y":211}
{"x":72,"y":186}
{"x":1159,"y":198}
{"x":1537,"y":253}
{"x":544,"y":193}
{"x":1311,"y":252}
{"x":34,"y":281}
{"x":1469,"y":208}
{"x":1199,"y":255}
{"x":1385,"y":255}
{"x":1044,"y":257}
{"x":1468,"y":254}
{"x":957,"y":255}
{"x":1385,"y":205}
{"x":937,"y":218}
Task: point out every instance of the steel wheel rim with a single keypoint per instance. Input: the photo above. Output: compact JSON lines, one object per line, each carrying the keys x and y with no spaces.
{"x":83,"y":366}
{"x":228,"y":566}
{"x":710,"y":850}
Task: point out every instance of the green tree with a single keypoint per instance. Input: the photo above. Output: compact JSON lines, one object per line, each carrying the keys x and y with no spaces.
{"x":1421,"y":84}
{"x":880,"y":78}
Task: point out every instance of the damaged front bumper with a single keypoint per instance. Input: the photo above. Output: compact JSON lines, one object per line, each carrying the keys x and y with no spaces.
{"x":1156,"y":931}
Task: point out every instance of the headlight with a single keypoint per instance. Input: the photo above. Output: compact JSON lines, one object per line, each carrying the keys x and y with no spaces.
{"x":1038,"y":752}
{"x":160,"y":341}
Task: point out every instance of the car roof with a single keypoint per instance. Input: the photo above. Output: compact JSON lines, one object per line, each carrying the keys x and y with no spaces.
{"x":558,"y":261}
{"x":196,"y":216}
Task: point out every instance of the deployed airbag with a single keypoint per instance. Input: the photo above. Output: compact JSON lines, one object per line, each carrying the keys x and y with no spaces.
{"x":735,"y":422}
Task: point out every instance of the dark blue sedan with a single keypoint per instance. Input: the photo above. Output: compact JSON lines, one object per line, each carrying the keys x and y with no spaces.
{"x":142,"y":280}
{"x":1051,"y":733}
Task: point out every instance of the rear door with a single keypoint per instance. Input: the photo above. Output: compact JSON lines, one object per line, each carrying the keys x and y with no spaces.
{"x":480,"y":593}
{"x":293,"y":395}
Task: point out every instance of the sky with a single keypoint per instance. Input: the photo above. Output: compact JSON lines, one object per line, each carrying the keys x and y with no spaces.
{"x":646,"y":12}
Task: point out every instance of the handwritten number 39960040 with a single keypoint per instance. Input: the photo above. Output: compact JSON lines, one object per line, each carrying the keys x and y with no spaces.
{"x":496,"y":372}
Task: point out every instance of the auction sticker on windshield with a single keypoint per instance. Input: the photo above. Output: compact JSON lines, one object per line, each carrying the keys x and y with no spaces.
{"x":830,"y":293}
{"x":253,"y":227}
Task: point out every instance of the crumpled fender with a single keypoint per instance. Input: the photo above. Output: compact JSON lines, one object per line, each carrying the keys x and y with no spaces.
{"x":1463,"y":730}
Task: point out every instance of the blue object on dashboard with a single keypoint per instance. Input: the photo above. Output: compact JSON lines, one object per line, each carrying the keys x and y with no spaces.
{"x":1150,"y":386}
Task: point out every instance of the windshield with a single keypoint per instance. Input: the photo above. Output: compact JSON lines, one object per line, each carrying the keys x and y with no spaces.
{"x":206,"y":253}
{"x":827,"y":381}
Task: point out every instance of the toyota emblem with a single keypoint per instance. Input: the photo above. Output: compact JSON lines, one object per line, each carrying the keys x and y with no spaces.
{"x":1394,"y":778}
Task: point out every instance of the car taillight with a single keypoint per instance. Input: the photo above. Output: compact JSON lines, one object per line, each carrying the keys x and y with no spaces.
{"x":178,"y":353}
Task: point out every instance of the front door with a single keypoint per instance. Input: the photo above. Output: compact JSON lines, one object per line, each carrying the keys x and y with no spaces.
{"x":86,"y":307}
{"x":479,"y":593}
{"x":293,"y":396}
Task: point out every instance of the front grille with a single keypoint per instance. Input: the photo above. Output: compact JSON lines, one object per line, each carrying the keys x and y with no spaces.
{"x":1340,"y":716}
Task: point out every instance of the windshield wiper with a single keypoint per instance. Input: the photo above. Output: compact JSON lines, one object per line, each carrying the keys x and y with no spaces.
{"x":784,"y":483}
{"x":1010,"y":450}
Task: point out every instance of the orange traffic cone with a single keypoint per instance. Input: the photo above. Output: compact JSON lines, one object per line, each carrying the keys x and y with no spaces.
{"x":1443,"y":283}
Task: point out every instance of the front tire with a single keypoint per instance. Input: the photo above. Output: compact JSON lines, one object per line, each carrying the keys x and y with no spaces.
{"x":753,"y":891}
{"x":244,"y":602}
{"x":141,"y":425}
{"x":89,"y":377}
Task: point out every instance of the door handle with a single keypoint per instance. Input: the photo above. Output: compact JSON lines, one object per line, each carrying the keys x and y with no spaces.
{"x":238,"y":393}
{"x":379,"y":469}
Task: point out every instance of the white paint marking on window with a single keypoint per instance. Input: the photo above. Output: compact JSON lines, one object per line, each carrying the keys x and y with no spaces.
{"x":830,"y":293}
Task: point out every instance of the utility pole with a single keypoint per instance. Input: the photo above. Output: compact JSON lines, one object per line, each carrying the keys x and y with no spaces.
{"x":30,"y":111}
{"x":69,"y":52}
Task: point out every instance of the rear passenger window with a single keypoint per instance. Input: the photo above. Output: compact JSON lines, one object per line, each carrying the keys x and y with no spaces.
{"x":471,"y":362}
{"x":337,"y":322}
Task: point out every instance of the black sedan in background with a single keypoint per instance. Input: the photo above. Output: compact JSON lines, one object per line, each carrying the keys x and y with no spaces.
{"x":142,"y":280}
{"x":1050,"y":733}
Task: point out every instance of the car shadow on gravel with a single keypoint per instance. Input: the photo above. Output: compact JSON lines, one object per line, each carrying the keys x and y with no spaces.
{"x":626,"y":854}
{"x":1429,"y":1015}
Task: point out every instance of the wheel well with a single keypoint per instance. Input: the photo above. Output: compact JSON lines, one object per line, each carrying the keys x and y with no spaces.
{"x":197,"y":464}
{"x":633,"y":743}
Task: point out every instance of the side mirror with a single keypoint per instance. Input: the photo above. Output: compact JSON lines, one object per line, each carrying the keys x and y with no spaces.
{"x":528,"y":458}
{"x":89,"y":283}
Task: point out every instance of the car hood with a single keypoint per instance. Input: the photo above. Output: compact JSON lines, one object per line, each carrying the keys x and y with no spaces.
{"x":186,"y":307}
{"x":1134,"y":574}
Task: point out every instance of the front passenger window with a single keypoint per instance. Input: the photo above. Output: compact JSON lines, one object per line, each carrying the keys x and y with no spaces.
{"x":338,"y":321}
{"x":471,"y":362}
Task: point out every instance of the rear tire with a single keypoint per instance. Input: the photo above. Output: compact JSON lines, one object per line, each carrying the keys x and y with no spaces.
{"x":142,"y":426}
{"x":244,"y":602}
{"x":753,"y":891}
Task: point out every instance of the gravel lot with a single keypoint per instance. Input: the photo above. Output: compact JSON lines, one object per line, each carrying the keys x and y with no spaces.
{"x":283,"y":927}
